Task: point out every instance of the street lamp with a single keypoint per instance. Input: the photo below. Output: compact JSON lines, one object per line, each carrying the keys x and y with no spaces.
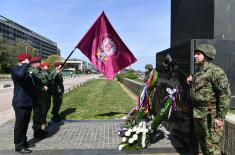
{"x":26,"y":48}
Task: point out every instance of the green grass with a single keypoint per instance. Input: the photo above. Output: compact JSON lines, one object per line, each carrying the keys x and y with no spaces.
{"x":98,"y":99}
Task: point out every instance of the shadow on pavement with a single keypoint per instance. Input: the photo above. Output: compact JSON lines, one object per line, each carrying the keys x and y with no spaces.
{"x":157,"y":136}
{"x":180,"y":145}
{"x":52,"y":129}
{"x":66,"y":112}
{"x":111,"y":113}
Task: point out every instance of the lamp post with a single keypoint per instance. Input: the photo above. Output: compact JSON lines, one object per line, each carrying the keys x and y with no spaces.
{"x":26,"y":48}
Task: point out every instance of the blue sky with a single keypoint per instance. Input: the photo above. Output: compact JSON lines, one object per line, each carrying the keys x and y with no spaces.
{"x":144,"y":26}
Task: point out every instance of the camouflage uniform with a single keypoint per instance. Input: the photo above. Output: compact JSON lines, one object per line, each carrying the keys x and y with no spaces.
{"x":211,"y":98}
{"x":57,"y":93}
{"x":46,"y":95}
{"x":40,"y":100}
{"x":148,"y":68}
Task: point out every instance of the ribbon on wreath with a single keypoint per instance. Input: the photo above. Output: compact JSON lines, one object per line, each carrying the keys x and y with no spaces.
{"x":168,"y":103}
{"x":143,"y":100}
{"x":171,"y":93}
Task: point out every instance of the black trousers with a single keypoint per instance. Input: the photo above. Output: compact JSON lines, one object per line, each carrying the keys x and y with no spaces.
{"x":22,"y":115}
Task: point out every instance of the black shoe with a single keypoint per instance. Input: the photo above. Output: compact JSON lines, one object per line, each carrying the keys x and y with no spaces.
{"x":29,"y":145}
{"x":24,"y":151}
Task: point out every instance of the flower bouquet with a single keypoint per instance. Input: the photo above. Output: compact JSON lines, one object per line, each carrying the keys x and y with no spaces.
{"x":136,"y":137}
{"x":139,"y":136}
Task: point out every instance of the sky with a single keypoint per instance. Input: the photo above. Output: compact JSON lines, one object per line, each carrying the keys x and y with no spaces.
{"x":144,"y":26}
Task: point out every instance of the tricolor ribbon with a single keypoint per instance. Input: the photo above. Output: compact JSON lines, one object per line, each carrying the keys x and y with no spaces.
{"x":171,"y":93}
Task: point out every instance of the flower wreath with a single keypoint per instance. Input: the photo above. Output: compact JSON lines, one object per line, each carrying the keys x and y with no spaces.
{"x":140,"y":123}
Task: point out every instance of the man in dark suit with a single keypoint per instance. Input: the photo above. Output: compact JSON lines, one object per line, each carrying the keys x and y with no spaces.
{"x":23,"y":100}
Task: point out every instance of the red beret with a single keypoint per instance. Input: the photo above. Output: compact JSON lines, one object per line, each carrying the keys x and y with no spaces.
{"x":58,"y":63}
{"x":23,"y":56}
{"x":35,"y":59}
{"x":43,"y":64}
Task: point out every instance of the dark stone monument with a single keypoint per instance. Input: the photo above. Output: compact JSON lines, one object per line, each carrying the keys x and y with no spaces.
{"x":194,"y":22}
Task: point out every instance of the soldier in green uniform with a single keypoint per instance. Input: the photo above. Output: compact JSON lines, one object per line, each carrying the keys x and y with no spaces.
{"x":148,"y":69}
{"x":41,"y":89}
{"x":47,"y":95}
{"x":211,"y":99}
{"x":57,"y":91}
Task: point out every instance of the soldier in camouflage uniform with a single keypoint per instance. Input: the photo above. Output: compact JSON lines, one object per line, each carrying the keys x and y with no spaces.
{"x":47,"y":95}
{"x":148,"y":69}
{"x":57,"y":91}
{"x":41,"y":89}
{"x":211,"y":99}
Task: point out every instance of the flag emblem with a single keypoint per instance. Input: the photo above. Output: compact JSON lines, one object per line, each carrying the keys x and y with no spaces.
{"x":106,"y":49}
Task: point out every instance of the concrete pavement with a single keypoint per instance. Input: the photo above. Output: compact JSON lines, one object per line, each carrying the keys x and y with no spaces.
{"x":86,"y":137}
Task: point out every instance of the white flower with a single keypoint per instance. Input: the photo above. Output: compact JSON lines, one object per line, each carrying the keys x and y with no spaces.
{"x":131,"y":140}
{"x":130,"y":130}
{"x":127,"y":133}
{"x":124,"y":139}
{"x":135,"y":136}
{"x":143,"y":145}
{"x":138,"y":130}
{"x":121,"y":146}
{"x":141,"y":124}
{"x":134,"y":128}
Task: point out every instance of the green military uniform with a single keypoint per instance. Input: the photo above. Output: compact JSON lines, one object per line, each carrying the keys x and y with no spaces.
{"x":147,"y":72}
{"x":57,"y":94}
{"x":46,"y":95}
{"x":211,"y":98}
{"x":40,"y":100}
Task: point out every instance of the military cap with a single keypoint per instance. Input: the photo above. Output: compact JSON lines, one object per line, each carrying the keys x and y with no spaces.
{"x":207,"y":50}
{"x":23,"y":56}
{"x":35,"y":59}
{"x":43,"y":64}
{"x":57,"y":63}
{"x":149,"y":66}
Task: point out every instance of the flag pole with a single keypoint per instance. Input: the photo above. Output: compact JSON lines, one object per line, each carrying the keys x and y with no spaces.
{"x":68,"y":57}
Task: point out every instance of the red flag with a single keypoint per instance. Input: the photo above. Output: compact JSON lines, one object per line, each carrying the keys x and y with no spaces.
{"x":105,"y":49}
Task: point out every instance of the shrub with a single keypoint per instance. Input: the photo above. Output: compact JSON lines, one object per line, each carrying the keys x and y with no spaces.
{"x":126,"y":75}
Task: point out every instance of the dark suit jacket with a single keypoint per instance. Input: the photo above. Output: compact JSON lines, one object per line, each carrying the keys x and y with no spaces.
{"x":24,"y":89}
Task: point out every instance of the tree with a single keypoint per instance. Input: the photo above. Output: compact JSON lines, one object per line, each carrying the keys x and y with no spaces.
{"x":24,"y":47}
{"x":9,"y":49}
{"x":52,"y":59}
{"x":3,"y":61}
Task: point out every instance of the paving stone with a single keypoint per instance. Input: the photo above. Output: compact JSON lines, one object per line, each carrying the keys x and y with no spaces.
{"x":84,"y":137}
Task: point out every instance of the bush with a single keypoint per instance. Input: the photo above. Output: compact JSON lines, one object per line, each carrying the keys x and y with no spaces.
{"x":126,"y":75}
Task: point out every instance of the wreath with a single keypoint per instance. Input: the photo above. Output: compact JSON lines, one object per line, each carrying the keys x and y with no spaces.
{"x":141,"y":122}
